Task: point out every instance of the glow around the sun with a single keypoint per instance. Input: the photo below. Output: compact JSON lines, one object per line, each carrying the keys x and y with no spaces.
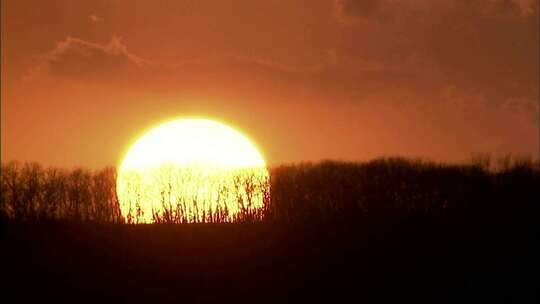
{"x":192,"y":170}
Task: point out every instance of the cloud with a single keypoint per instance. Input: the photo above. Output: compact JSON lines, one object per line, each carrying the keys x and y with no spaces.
{"x":95,"y":18}
{"x":379,"y":9}
{"x":74,"y":58}
{"x":485,"y":46}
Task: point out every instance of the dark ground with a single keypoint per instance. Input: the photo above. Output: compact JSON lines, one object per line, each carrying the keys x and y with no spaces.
{"x":412,"y":260}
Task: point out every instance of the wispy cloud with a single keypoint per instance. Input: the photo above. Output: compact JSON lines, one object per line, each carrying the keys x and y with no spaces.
{"x":77,"y":58}
{"x":95,"y":18}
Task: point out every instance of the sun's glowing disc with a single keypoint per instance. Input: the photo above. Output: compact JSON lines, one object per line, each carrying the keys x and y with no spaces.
{"x":192,"y":170}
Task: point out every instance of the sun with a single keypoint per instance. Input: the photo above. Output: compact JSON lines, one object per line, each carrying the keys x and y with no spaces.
{"x":192,"y":170}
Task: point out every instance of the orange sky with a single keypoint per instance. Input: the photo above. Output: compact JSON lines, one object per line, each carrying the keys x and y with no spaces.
{"x":306,"y":79}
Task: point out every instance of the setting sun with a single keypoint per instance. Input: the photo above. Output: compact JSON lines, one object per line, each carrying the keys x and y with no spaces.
{"x":192,"y":170}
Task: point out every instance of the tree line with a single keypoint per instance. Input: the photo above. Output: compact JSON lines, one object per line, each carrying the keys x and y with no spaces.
{"x":333,"y":190}
{"x":324,"y":191}
{"x":31,"y":192}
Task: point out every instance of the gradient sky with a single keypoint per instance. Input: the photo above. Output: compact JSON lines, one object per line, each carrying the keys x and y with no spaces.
{"x":305,"y":79}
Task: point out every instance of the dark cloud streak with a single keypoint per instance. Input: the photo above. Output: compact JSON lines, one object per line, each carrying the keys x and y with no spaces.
{"x":490,"y":47}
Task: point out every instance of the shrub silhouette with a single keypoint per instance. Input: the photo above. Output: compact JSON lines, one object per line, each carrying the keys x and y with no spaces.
{"x":325,"y":191}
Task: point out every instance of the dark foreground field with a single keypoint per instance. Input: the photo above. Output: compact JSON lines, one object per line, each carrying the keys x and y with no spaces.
{"x":388,"y":230}
{"x":414,"y":259}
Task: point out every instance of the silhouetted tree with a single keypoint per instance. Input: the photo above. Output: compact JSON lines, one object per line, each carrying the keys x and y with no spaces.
{"x":325,"y":191}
